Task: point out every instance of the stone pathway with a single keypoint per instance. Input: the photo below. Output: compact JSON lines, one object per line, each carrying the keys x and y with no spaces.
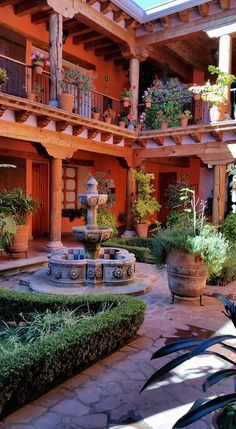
{"x":106,"y":395}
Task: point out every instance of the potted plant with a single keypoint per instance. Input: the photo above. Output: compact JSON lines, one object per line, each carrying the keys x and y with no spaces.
{"x":222,"y":406}
{"x":96,"y":112}
{"x":215,"y":94}
{"x":20,"y":206}
{"x":65,"y":99}
{"x":184,"y":117}
{"x":192,"y":249}
{"x":109,"y":115}
{"x":85,"y":81}
{"x":147,"y":97}
{"x":132,"y":121}
{"x":7,"y":230}
{"x":3,"y":76}
{"x":123,"y":121}
{"x":38,"y":62}
{"x":144,"y":205}
{"x":126,"y":97}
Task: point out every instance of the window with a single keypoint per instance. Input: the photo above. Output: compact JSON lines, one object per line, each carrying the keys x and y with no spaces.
{"x":73,"y":183}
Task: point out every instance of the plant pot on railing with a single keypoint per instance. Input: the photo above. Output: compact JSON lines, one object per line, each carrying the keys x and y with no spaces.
{"x":30,"y":96}
{"x":217,"y":112}
{"x":148,"y":104}
{"x":108,"y":120}
{"x":126,"y":101}
{"x":96,"y":116}
{"x":184,"y":122}
{"x":38,"y":67}
{"x":122,"y":124}
{"x":66,"y":102}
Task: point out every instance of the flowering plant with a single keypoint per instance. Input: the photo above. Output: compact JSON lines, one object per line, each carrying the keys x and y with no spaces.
{"x":131,"y":119}
{"x":3,"y":76}
{"x":186,"y":115}
{"x":123,"y":119}
{"x":214,"y":93}
{"x":96,"y":109}
{"x":142,"y":117}
{"x":147,"y":95}
{"x":39,"y":57}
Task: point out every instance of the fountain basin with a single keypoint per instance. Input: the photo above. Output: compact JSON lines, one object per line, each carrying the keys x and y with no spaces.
{"x":94,"y":236}
{"x":113,"y":267}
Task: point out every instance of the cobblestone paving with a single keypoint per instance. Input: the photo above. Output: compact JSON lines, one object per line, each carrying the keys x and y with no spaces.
{"x":106,"y":395}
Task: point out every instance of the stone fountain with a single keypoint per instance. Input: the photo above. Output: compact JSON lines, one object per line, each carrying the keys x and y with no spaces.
{"x":91,"y":268}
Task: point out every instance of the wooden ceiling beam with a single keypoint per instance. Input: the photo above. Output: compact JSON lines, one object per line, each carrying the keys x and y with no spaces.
{"x":120,"y":62}
{"x":22,"y":116}
{"x":5,"y":2}
{"x":91,"y":36}
{"x":203,"y":9}
{"x":29,"y":6}
{"x":118,"y":16}
{"x":184,"y":16}
{"x":130,"y":24}
{"x":114,"y":55}
{"x":149,"y":26}
{"x":105,"y":50}
{"x":78,"y":31}
{"x":39,"y":17}
{"x":161,"y":57}
{"x":186,"y":51}
{"x":225,"y":4}
{"x":99,"y":44}
{"x":91,"y":2}
{"x":166,"y":21}
{"x":106,"y":7}
{"x":182,"y":30}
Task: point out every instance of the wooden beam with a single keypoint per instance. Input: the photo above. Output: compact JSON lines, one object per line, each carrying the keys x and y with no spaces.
{"x":2,"y":110}
{"x":219,"y":191}
{"x":117,"y":139}
{"x":106,"y":7}
{"x":149,"y":26}
{"x":91,"y":2}
{"x":61,"y":126}
{"x":225,"y":4}
{"x":182,"y":30}
{"x":196,"y":137}
{"x":104,"y":51}
{"x":99,"y":22}
{"x":39,"y":17}
{"x":102,"y":43}
{"x":29,"y":6}
{"x":177,"y":162}
{"x":120,"y":62}
{"x":92,"y":134}
{"x":43,"y":121}
{"x":21,"y":116}
{"x":177,"y":139}
{"x":91,"y":36}
{"x":113,"y":56}
{"x":184,"y":50}
{"x":105,"y":137}
{"x":165,"y":21}
{"x":184,"y":16}
{"x":77,"y":130}
{"x":130,"y":24}
{"x":118,"y":16}
{"x":5,"y":2}
{"x":218,"y":135}
{"x":161,"y":57}
{"x":203,"y":9}
{"x":59,"y":144}
{"x":158,"y":140}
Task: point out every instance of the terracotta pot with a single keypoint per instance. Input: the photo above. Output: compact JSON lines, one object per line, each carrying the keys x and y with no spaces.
{"x":184,"y":122}
{"x":38,"y":67}
{"x":138,"y":128}
{"x":108,"y":120}
{"x":217,"y":113}
{"x":66,"y":102}
{"x":96,"y":115}
{"x":142,"y":229}
{"x":122,"y":124}
{"x":148,"y":103}
{"x":126,"y":101}
{"x":21,"y":238}
{"x":30,"y":96}
{"x":163,"y":125}
{"x":187,"y":274}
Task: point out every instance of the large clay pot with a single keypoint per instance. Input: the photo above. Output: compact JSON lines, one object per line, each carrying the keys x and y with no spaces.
{"x":142,"y":229}
{"x":187,"y":274}
{"x":38,"y":67}
{"x":66,"y":102}
{"x":217,"y":113}
{"x":21,"y":237}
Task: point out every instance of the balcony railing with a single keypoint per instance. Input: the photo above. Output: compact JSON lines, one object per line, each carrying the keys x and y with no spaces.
{"x":22,"y":80}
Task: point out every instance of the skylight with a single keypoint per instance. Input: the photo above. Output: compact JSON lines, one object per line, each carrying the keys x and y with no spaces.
{"x":147,"y":4}
{"x":153,"y":6}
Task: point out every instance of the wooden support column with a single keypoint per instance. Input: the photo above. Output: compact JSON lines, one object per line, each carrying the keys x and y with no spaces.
{"x":55,"y":54}
{"x":134,"y":85}
{"x":225,"y":63}
{"x":28,"y":188}
{"x":219,"y":191}
{"x":55,"y":205}
{"x":130,"y":195}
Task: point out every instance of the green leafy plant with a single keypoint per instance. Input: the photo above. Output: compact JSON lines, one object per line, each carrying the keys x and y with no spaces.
{"x":123,"y":119}
{"x":126,"y":93}
{"x":193,"y":237}
{"x":177,"y":219}
{"x":186,"y":114}
{"x":203,"y":407}
{"x":144,"y":204}
{"x":228,"y":270}
{"x":7,"y":230}
{"x":3,"y":76}
{"x":16,"y":203}
{"x":228,"y":227}
{"x":214,"y":93}
{"x":106,"y":219}
{"x":173,"y":193}
{"x":96,"y":109}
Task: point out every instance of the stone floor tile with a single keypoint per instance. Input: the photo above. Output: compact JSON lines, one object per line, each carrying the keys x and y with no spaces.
{"x":71,"y":407}
{"x":26,"y":414}
{"x":90,"y":395}
{"x":93,"y":421}
{"x":48,"y":421}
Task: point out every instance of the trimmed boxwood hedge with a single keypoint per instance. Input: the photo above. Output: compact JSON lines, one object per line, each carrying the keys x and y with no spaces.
{"x":32,"y":370}
{"x":141,"y":247}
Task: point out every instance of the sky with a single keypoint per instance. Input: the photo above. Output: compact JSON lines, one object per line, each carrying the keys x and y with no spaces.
{"x":145,"y":4}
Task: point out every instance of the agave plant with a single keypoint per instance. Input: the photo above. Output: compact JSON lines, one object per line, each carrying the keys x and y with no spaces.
{"x":197,"y":347}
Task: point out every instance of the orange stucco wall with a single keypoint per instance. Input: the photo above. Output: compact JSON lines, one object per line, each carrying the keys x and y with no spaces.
{"x":116,"y":79}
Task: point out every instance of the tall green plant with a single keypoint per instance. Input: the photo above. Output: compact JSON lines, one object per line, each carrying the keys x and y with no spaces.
{"x":145,"y":204}
{"x":17,"y":204}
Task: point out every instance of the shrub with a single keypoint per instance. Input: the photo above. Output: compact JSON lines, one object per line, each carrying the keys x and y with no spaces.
{"x":228,"y":227}
{"x":176,"y":219}
{"x":34,"y":368}
{"x":106,"y":219}
{"x":142,"y":254}
{"x":228,"y":271}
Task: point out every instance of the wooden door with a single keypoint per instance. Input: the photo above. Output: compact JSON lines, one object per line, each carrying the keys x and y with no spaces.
{"x":165,"y":179}
{"x":40,"y":192}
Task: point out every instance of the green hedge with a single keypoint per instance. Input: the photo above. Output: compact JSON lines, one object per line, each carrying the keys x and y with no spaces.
{"x":141,"y":247}
{"x":32,"y":370}
{"x":142,"y":254}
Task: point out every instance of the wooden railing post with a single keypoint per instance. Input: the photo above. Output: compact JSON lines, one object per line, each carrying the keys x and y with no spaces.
{"x":134,"y":84}
{"x":225,"y":64}
{"x":130,"y":195}
{"x":219,"y":191}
